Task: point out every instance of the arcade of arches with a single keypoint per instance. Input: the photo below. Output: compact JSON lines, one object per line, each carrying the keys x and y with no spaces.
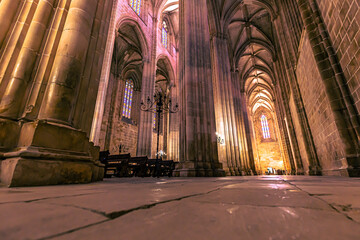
{"x":263,"y":86}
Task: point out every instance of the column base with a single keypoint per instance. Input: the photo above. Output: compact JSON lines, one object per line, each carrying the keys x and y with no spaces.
{"x":347,"y":172}
{"x":350,"y":168}
{"x":314,"y":171}
{"x":19,"y":172}
{"x":199,"y":169}
{"x":48,"y":154}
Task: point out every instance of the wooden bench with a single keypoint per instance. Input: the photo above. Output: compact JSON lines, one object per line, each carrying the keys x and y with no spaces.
{"x":167,"y":168}
{"x":115,"y":164}
{"x":124,"y":165}
{"x":119,"y":163}
{"x":138,"y":166}
{"x":151,"y":167}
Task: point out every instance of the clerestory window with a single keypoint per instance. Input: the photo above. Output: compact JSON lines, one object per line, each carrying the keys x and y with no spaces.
{"x":164,"y":35}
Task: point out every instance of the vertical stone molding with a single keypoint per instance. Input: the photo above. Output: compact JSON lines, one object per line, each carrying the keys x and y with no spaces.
{"x":145,"y":137}
{"x":339,"y":74}
{"x":66,"y":73}
{"x":198,"y":151}
{"x":289,"y":73}
{"x":146,"y":118}
{"x":12,"y":99}
{"x":104,"y":79}
{"x":224,"y":106}
{"x":245,"y":148}
{"x":8,"y":9}
{"x":343,"y":123}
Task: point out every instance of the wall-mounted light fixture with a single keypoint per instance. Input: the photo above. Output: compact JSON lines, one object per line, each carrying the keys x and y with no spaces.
{"x":220,"y":139}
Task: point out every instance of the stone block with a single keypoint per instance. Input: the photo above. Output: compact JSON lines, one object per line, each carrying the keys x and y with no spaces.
{"x":31,"y":172}
{"x":9,"y":133}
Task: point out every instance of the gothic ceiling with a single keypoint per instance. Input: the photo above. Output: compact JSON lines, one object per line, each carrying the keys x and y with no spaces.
{"x":128,"y":54}
{"x":170,"y":8}
{"x":248,"y":27}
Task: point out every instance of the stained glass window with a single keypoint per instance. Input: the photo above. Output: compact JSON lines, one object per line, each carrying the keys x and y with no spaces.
{"x":136,"y":5}
{"x":164,"y":36}
{"x":129,"y":90}
{"x":265,"y":127}
{"x":154,"y":122}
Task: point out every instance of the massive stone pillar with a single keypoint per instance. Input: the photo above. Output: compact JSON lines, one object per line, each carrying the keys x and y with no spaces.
{"x":43,"y":134}
{"x":346,"y":119}
{"x":174,"y":123}
{"x":8,"y":10}
{"x":247,"y":164}
{"x":147,"y":90}
{"x":286,"y":73}
{"x":198,"y":147}
{"x":104,"y":78}
{"x":12,"y":99}
{"x":146,"y":118}
{"x":229,"y":151}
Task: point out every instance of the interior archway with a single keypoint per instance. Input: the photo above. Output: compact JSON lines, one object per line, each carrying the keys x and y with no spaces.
{"x":122,"y":107}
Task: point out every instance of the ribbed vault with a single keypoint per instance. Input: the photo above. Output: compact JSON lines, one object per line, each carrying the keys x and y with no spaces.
{"x":128,"y":54}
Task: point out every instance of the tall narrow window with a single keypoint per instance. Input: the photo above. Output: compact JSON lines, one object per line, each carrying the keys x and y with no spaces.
{"x":265,"y":127}
{"x":154,"y":122}
{"x":164,"y":36}
{"x":129,"y":89}
{"x":136,"y":5}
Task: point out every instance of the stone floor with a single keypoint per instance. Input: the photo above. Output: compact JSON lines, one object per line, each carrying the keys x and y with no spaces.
{"x":264,"y":207}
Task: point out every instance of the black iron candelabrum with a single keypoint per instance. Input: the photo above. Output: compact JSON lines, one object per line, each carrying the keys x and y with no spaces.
{"x":160,"y":105}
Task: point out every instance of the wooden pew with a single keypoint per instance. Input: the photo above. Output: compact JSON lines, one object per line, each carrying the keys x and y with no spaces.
{"x":119,"y":164}
{"x":167,"y":168}
{"x":115,"y":164}
{"x":151,"y":168}
{"x":138,"y":166}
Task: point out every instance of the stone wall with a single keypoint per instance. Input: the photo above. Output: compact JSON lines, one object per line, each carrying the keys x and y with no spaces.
{"x":322,"y":123}
{"x":299,"y":135}
{"x":115,"y":129}
{"x":342,"y":19}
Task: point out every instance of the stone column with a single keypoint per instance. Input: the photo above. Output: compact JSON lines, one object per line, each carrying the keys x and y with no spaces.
{"x":146,"y":118}
{"x":224,"y":106}
{"x":104,"y":79}
{"x":243,"y":128}
{"x":12,"y":100}
{"x":69,"y":62}
{"x":49,"y":149}
{"x":147,"y":90}
{"x":174,"y":123}
{"x":345,"y":126}
{"x":8,"y":10}
{"x":198,"y":147}
{"x":248,"y":165}
{"x":286,"y":71}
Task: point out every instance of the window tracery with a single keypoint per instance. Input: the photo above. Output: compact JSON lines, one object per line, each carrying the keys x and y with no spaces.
{"x":164,"y":35}
{"x":265,"y":127}
{"x":129,"y":90}
{"x":136,"y":6}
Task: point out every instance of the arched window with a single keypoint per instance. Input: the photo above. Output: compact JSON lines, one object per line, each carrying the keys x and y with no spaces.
{"x":164,"y":35}
{"x":136,"y":5}
{"x":129,"y":89}
{"x":265,"y":127}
